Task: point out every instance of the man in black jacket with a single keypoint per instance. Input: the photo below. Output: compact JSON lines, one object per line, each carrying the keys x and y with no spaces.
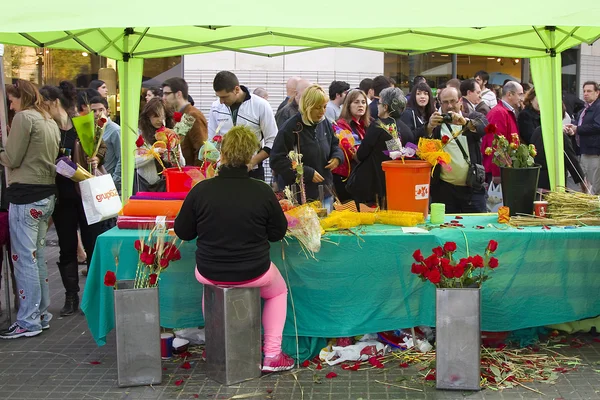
{"x":449,"y":186}
{"x":587,"y":133}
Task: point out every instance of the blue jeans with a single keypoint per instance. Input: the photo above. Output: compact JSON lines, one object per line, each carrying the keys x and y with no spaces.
{"x":28,"y":225}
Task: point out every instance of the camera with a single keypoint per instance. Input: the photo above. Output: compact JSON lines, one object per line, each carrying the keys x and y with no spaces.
{"x":447,"y":118}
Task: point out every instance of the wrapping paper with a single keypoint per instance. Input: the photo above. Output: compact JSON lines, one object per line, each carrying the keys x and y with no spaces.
{"x":127,"y":222}
{"x":159,"y":196}
{"x":152,"y":208}
{"x":503,"y":215}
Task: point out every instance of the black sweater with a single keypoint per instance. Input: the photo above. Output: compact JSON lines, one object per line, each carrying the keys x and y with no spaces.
{"x":318,"y":145}
{"x":234,"y":217}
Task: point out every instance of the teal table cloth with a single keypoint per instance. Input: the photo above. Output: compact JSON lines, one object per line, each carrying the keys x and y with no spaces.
{"x":361,"y":282}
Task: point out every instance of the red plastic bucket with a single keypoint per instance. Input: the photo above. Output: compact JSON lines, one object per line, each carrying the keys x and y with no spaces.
{"x":179,"y":181}
{"x":407,"y":185}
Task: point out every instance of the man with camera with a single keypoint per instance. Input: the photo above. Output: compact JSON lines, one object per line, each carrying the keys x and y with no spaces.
{"x":460,"y":187}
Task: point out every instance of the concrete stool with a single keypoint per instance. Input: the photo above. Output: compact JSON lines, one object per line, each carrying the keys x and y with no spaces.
{"x":233,"y":328}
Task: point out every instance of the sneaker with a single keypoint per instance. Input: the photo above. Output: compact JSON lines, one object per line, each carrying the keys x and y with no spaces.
{"x":45,"y":322}
{"x":280,"y":362}
{"x":15,"y":331}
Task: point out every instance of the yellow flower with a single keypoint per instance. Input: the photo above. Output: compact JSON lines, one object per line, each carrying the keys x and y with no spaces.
{"x":488,"y":151}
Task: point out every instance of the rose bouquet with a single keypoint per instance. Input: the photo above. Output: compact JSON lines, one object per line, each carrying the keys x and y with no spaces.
{"x":441,"y":269}
{"x":155,"y":255}
{"x":513,"y":154}
{"x":171,"y":140}
{"x":183,"y":123}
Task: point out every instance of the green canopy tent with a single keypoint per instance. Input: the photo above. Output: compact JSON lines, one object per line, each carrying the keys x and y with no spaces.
{"x":132,"y":31}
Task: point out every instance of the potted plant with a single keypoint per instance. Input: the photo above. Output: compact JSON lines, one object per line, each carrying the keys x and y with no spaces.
{"x":458,"y":314}
{"x":518,"y":172}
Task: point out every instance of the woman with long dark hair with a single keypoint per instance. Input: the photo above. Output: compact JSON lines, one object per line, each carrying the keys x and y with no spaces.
{"x":419,"y":107}
{"x":69,"y":215}
{"x":29,"y":155}
{"x":154,"y":116}
{"x":529,"y":117}
{"x":100,"y":86}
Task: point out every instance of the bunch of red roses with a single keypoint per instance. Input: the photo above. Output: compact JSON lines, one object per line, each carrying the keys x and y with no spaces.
{"x":441,"y":270}
{"x":155,"y":254}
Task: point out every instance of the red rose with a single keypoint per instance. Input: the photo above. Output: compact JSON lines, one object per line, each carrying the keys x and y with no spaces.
{"x":331,"y":375}
{"x":434,"y":276}
{"x":449,"y":247}
{"x":432,"y":261}
{"x":416,"y":269}
{"x":164,"y":263}
{"x":491,"y":129}
{"x":153,"y":278}
{"x":218,"y":139}
{"x":110,"y":278}
{"x":448,"y":271}
{"x":177,"y":116}
{"x":161,"y":129}
{"x":140,"y":141}
{"x":445,"y":139}
{"x":418,"y":256}
{"x":147,"y":258}
{"x":438,"y":251}
{"x":492,"y":246}
{"x":493,"y":263}
{"x":478,"y":261}
{"x":459,"y":271}
{"x":137,"y":245}
{"x":101,"y":122}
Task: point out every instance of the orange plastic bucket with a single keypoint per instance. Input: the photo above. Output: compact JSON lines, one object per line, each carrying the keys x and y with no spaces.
{"x":179,"y":181}
{"x":407,"y":185}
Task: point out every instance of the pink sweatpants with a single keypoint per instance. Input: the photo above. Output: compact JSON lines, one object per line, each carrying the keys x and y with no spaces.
{"x":274,"y":291}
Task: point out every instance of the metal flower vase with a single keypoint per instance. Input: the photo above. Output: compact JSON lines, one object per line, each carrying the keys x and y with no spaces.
{"x":137,"y":323}
{"x":458,"y":347}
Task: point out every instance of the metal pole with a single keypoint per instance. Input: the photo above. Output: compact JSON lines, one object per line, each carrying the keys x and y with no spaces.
{"x":557,"y":128}
{"x":525,"y":71}
{"x":454,"y":66}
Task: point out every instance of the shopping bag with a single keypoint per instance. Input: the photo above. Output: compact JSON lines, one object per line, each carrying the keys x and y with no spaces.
{"x":494,"y":200}
{"x":100,"y":199}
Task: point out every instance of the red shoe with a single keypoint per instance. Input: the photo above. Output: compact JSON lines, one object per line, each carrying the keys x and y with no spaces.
{"x":281,"y":362}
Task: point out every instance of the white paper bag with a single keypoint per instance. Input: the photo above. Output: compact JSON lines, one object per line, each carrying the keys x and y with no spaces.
{"x":100,"y":199}
{"x":494,"y":200}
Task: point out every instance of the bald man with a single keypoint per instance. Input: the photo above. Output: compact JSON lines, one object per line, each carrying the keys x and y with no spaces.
{"x":290,"y":90}
{"x":291,"y":109}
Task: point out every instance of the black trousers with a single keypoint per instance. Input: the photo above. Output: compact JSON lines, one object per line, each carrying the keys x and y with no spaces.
{"x":68,"y":216}
{"x":458,"y":199}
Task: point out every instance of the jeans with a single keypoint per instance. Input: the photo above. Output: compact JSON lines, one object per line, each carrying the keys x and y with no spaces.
{"x":28,"y":225}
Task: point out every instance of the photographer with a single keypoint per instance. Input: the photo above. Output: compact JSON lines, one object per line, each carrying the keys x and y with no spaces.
{"x":451,"y":186}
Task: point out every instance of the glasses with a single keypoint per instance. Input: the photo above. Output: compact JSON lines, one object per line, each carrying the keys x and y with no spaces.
{"x":166,"y":93}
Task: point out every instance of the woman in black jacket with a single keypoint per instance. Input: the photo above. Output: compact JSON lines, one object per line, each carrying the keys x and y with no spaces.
{"x":419,"y":107}
{"x":234,"y":217}
{"x":367,"y":181}
{"x":529,"y":118}
{"x":310,"y":134}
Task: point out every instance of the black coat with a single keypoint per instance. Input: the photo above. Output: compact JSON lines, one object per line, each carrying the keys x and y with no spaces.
{"x":528,"y":121}
{"x":589,"y":131}
{"x":367,"y":181}
{"x":571,"y":162}
{"x":406,"y":134}
{"x":317,"y":144}
{"x":411,"y":119}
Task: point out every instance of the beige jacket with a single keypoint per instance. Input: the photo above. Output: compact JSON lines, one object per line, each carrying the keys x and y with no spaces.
{"x":31,"y":149}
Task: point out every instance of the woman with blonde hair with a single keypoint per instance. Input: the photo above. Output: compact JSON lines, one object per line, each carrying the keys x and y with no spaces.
{"x":234,"y":217}
{"x":30,"y":152}
{"x":310,"y":134}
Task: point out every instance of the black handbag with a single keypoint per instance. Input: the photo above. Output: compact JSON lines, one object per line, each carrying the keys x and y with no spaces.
{"x":476,"y":173}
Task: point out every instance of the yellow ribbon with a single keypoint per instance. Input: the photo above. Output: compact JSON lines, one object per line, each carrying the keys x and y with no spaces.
{"x":152,"y":152}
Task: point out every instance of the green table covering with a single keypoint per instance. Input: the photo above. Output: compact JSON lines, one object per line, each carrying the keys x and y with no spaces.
{"x":362,"y":282}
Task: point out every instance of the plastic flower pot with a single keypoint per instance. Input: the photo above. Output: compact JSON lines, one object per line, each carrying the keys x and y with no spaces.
{"x":407,"y":185}
{"x":458,"y":348}
{"x":519,"y":186}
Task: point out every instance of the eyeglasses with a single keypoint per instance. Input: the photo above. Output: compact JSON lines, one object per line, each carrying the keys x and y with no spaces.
{"x":166,"y":93}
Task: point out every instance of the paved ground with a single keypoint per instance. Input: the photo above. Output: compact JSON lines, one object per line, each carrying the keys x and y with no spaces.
{"x":65,"y":363}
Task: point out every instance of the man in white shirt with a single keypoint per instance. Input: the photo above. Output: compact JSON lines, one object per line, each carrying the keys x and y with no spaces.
{"x":236,"y":106}
{"x":487,"y":95}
